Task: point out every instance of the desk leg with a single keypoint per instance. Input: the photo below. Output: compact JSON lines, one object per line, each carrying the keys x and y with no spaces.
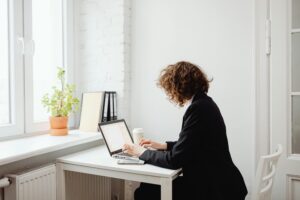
{"x":166,"y":189}
{"x":60,"y":182}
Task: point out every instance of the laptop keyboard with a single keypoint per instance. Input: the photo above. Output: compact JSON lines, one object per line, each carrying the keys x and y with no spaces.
{"x":124,"y":154}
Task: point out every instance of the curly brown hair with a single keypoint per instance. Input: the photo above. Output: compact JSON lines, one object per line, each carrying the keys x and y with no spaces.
{"x":182,"y":80}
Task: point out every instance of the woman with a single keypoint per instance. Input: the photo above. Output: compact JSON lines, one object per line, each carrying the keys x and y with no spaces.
{"x":202,"y":148}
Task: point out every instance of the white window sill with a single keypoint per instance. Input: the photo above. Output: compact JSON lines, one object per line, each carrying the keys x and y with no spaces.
{"x":23,"y":148}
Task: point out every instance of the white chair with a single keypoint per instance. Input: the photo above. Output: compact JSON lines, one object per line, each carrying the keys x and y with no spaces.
{"x":264,"y":177}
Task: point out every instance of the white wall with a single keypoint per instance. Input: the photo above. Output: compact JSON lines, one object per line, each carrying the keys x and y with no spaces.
{"x":102,"y":48}
{"x":217,"y":35}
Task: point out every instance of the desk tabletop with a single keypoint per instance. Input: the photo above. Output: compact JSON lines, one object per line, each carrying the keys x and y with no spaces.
{"x":99,"y":157}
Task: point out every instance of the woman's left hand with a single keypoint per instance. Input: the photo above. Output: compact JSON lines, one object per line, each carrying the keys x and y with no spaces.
{"x":134,"y":149}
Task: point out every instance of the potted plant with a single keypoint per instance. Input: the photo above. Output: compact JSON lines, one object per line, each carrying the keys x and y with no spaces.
{"x":60,"y":104}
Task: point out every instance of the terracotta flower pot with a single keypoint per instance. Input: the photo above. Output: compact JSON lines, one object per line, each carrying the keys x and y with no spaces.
{"x":59,"y":126}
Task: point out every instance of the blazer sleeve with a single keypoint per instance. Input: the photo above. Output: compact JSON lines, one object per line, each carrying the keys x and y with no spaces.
{"x":170,"y":145}
{"x":181,"y":152}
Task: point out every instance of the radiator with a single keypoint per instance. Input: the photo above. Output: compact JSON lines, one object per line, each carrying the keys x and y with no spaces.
{"x":38,"y":184}
{"x":87,"y":187}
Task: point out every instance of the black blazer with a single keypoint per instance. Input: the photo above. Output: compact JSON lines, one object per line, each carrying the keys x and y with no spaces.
{"x":203,"y":154}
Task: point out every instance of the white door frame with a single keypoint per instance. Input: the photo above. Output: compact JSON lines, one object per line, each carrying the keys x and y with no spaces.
{"x":272,"y":108}
{"x":262,"y":82}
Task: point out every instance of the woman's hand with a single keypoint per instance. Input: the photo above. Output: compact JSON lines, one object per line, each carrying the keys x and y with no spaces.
{"x":151,"y":144}
{"x":134,"y":149}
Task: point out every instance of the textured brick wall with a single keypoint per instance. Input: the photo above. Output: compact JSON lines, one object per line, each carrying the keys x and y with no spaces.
{"x":102,"y":57}
{"x":102,"y":37}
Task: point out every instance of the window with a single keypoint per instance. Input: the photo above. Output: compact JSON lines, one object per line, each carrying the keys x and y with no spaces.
{"x":295,"y":78}
{"x":44,"y":32}
{"x":4,"y":66}
{"x":47,"y":35}
{"x":11,"y":108}
{"x":32,"y":45}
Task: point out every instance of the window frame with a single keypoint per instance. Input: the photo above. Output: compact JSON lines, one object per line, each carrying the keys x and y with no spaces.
{"x":15,"y":27}
{"x":291,"y":93}
{"x":21,"y":74}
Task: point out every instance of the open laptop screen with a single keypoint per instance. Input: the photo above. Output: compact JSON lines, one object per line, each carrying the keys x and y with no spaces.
{"x":115,"y":134}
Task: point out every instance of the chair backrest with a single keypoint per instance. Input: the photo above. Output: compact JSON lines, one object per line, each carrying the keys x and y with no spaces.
{"x":264,"y":178}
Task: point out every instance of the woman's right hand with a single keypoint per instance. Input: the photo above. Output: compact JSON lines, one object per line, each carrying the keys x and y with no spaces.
{"x":151,"y":144}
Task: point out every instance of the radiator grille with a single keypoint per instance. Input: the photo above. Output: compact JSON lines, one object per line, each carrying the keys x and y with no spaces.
{"x":37,"y":184}
{"x":87,"y":187}
{"x":40,"y":184}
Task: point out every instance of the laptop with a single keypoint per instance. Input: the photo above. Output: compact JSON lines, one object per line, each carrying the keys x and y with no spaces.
{"x":116,"y":134}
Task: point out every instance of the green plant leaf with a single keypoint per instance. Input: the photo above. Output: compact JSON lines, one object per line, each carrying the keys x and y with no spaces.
{"x":62,"y":101}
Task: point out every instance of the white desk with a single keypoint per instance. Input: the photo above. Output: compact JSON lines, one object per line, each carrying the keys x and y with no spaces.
{"x":97,"y":161}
